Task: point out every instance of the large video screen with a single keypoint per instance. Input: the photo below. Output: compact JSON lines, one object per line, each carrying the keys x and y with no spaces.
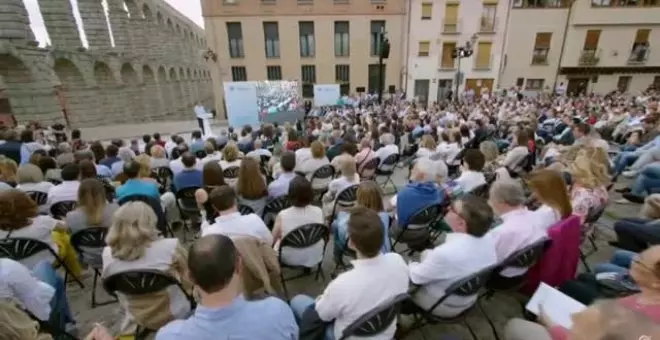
{"x":255,"y":102}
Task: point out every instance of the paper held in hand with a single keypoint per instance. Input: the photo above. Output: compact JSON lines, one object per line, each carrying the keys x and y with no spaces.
{"x":556,"y":305}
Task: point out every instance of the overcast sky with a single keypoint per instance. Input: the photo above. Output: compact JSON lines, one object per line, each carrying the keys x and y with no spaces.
{"x":190,"y":8}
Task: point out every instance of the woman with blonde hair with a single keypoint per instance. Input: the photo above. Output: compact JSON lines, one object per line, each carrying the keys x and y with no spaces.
{"x":426,"y":146}
{"x":370,"y":196}
{"x":348,"y":177}
{"x":159,"y":157}
{"x":30,"y":178}
{"x":590,"y":177}
{"x":549,"y":188}
{"x":318,"y":159}
{"x":8,"y":170}
{"x":491,"y":153}
{"x":251,"y":187}
{"x":17,"y":325}
{"x":133,"y":244}
{"x":230,"y":156}
{"x":145,"y":166}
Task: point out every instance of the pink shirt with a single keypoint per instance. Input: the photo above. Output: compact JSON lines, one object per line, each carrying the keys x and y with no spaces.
{"x":363,"y":157}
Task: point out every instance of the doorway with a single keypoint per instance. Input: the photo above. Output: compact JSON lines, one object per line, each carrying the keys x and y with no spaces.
{"x":576,"y":86}
{"x":444,"y":90}
{"x":478,"y":84}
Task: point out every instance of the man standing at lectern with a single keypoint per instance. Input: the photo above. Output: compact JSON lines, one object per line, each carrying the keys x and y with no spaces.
{"x":200,"y":113}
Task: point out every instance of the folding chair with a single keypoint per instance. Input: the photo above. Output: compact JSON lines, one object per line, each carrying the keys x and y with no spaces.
{"x":55,"y":181}
{"x":20,"y":248}
{"x":164,"y":176}
{"x":200,"y":154}
{"x":93,"y":238}
{"x":377,"y":320}
{"x":185,"y":200}
{"x":245,"y":210}
{"x":230,"y":173}
{"x":320,"y":180}
{"x":141,"y":282}
{"x":525,"y":164}
{"x":368,"y":172}
{"x":46,"y":327}
{"x":481,"y":190}
{"x":466,"y":287}
{"x":387,"y":169}
{"x":345,"y":199}
{"x":272,"y":208}
{"x":155,"y":205}
{"x":39,"y":197}
{"x":60,"y":209}
{"x":588,"y":232}
{"x":302,"y":237}
{"x":422,"y":219}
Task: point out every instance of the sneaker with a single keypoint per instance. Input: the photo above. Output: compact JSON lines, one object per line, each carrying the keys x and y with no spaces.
{"x":623,"y":201}
{"x":629,"y":173}
{"x":622,"y":190}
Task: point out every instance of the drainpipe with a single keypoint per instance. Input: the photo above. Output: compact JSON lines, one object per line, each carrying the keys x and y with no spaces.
{"x":506,"y":42}
{"x":407,"y":49}
{"x":563,"y":44}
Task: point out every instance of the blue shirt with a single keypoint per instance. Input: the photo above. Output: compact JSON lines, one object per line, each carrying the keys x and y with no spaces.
{"x":188,"y":178}
{"x":103,"y":171}
{"x":280,"y":186}
{"x":109,"y":161}
{"x":267,"y":319}
{"x":138,"y":187}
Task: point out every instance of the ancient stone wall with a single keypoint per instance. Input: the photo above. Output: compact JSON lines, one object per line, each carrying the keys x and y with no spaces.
{"x":154,"y":71}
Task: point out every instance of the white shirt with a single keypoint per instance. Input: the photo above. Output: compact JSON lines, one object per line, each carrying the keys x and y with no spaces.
{"x":449,"y":151}
{"x":460,"y":256}
{"x":515,"y":156}
{"x":237,"y":225}
{"x":303,"y":154}
{"x":38,"y":187}
{"x":177,"y":166}
{"x":470,"y":180}
{"x":19,"y":285}
{"x":65,"y":191}
{"x":424,"y":152}
{"x":214,"y":157}
{"x":41,"y":229}
{"x":547,"y":216}
{"x":292,"y":218}
{"x":386,"y":151}
{"x":257,"y":153}
{"x":519,"y":228}
{"x":200,"y":111}
{"x":357,"y":291}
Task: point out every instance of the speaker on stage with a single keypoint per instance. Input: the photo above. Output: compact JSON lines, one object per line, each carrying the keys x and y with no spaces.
{"x":360,"y":89}
{"x":391,"y":89}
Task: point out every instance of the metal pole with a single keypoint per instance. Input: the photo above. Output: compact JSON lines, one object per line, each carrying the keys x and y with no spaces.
{"x":380,"y":69}
{"x":458,"y":73}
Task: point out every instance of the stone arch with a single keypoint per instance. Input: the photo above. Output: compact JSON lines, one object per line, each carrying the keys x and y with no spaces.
{"x":133,"y":92}
{"x":169,"y":25}
{"x":107,"y":94}
{"x":146,"y":12}
{"x":175,"y":91}
{"x":159,"y":18}
{"x":17,"y":83}
{"x":185,"y":92}
{"x":132,"y":9}
{"x":165,"y":93}
{"x":75,"y":92}
{"x":152,"y":97}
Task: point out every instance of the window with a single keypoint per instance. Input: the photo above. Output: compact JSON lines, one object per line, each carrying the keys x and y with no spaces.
{"x":520,"y":82}
{"x":307,"y":44}
{"x":238,"y":73}
{"x":342,"y":39}
{"x":373,"y":82}
{"x":421,"y":90}
{"x":342,"y":73}
{"x":235,"y":39}
{"x":427,"y":10}
{"x":541,"y":48}
{"x":591,"y":40}
{"x":423,"y":49}
{"x":308,"y":79}
{"x":623,"y":83}
{"x":447,"y":61}
{"x":377,"y":35}
{"x":640,"y":47}
{"x":273,"y":72}
{"x":488,"y":18}
{"x":534,"y":84}
{"x":272,"y":39}
{"x":451,"y":18}
{"x":483,"y":55}
{"x":541,"y":3}
{"x":623,"y":3}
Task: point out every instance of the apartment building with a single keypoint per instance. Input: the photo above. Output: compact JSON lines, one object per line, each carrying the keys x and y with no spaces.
{"x":436,"y":29}
{"x":311,"y":41}
{"x":586,"y":45}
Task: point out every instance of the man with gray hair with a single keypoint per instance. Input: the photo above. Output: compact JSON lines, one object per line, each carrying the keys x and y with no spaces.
{"x":389,"y":147}
{"x":88,"y":155}
{"x":520,"y":227}
{"x":65,"y":154}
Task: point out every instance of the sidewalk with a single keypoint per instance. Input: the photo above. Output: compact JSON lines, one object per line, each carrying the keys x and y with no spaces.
{"x":129,"y":131}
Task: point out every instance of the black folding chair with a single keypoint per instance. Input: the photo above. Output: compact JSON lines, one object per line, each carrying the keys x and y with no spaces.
{"x":522,"y":166}
{"x":345,"y":199}
{"x":93,"y":238}
{"x":155,"y":205}
{"x":422,"y":219}
{"x":481,"y":190}
{"x":589,"y":233}
{"x":39,"y":197}
{"x":230,"y":173}
{"x":20,"y":248}
{"x":370,"y":167}
{"x":185,"y":200}
{"x":377,"y":320}
{"x":272,"y":208}
{"x":245,"y":209}
{"x":142,"y":282}
{"x":320,"y":180}
{"x":387,"y":169}
{"x":60,"y":209}
{"x":200,"y":154}
{"x":466,"y":287}
{"x":302,"y":237}
{"x":109,"y":188}
{"x":55,"y":181}
{"x":164,"y":176}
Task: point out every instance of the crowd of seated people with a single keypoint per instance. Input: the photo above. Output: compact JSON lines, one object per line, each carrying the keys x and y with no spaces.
{"x":233,"y":267}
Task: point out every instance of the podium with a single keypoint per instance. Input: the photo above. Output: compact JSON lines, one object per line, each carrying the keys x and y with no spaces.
{"x":206,"y":123}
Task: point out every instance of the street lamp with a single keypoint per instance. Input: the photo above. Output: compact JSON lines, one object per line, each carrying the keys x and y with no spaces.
{"x":459,"y":53}
{"x":383,"y":53}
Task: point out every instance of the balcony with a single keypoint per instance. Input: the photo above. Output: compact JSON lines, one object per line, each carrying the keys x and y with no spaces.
{"x":451,"y":26}
{"x":589,"y":57}
{"x":639,"y":55}
{"x":487,"y":25}
{"x":540,"y":59}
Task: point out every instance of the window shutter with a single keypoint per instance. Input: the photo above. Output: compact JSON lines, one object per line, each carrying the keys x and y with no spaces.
{"x":642,"y":36}
{"x":591,"y":39}
{"x":483,"y":54}
{"x":543,"y":40}
{"x":427,"y":10}
{"x":451,"y":13}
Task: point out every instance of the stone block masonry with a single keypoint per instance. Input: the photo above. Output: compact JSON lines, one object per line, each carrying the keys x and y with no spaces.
{"x":154,"y":72}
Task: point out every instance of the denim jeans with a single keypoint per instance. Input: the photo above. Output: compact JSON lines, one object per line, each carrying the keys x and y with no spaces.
{"x":623,"y":160}
{"x":629,"y":148}
{"x":299,"y":304}
{"x":60,"y":314}
{"x":647,"y":180}
{"x":620,"y":262}
{"x":636,"y":234}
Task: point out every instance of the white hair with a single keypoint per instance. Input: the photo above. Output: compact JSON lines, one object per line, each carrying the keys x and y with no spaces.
{"x":426,"y":167}
{"x":387,"y":139}
{"x":507,"y":191}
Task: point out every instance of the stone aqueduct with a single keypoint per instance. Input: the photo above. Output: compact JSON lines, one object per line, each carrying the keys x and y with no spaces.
{"x":154,"y":71}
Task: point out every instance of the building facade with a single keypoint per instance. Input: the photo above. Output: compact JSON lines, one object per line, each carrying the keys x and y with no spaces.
{"x":314,"y":42}
{"x":583,"y":46}
{"x":149,"y":67}
{"x":436,"y":29}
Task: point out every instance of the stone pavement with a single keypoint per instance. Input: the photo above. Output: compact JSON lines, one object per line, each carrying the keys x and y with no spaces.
{"x":129,"y":131}
{"x":500,"y":308}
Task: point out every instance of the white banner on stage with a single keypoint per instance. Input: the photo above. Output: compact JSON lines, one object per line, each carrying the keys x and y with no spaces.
{"x":241,"y":103}
{"x":326,"y":94}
